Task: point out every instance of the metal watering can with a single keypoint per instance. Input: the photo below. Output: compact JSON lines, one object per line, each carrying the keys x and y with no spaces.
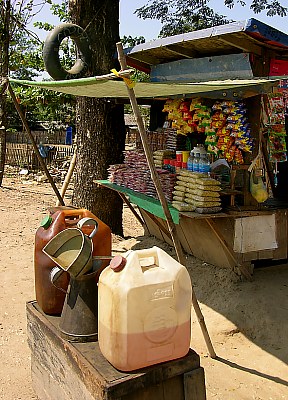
{"x":72,"y":250}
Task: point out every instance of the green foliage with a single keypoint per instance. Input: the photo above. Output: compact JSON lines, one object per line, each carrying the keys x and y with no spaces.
{"x":41,"y":105}
{"x":25,"y":59}
{"x":272,"y":7}
{"x":60,"y":10}
{"x":26,"y":62}
{"x":129,"y":41}
{"x":179,"y":16}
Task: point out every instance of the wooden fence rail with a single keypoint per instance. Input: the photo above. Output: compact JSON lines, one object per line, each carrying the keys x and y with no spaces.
{"x":22,"y":155}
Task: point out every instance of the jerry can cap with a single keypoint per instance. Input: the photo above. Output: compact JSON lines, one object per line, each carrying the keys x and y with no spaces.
{"x":46,"y":222}
{"x":118,"y":263}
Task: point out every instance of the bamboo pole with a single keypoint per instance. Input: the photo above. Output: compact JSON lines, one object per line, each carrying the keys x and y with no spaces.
{"x":163,"y":201}
{"x":68,"y":176}
{"x":42,"y":163}
{"x":151,"y":165}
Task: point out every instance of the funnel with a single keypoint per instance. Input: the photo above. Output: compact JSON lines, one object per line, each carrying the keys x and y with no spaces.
{"x":71,"y":249}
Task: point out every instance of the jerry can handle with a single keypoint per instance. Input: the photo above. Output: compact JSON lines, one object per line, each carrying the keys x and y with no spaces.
{"x":88,"y":221}
{"x":147,"y":257}
{"x":55,"y":274}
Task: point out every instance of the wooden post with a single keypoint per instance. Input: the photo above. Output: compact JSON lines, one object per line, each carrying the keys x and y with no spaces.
{"x":151,"y":165}
{"x":163,"y":201}
{"x":42,"y":163}
{"x":68,"y":177}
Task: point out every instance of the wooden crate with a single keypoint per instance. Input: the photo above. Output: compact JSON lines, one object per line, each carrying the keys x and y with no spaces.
{"x":73,"y":371}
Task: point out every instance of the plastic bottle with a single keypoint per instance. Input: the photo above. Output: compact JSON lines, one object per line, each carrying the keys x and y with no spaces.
{"x":204,"y":164}
{"x":196,"y":160}
{"x":49,"y":298}
{"x":190,"y":162}
{"x":144,"y":309}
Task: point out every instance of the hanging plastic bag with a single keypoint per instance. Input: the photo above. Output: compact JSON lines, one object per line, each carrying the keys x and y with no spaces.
{"x":257,"y":188}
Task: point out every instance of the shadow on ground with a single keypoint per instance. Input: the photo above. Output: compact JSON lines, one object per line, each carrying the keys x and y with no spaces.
{"x":258,"y":309}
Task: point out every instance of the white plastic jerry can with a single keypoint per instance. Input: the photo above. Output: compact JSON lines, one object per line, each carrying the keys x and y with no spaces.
{"x":144,"y":309}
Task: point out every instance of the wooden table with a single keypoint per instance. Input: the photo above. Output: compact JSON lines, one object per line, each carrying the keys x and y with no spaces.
{"x":220,"y":239}
{"x":73,"y":371}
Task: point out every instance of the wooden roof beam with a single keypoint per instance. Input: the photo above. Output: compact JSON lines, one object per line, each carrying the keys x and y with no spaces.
{"x":179,"y":50}
{"x":245,"y":45}
{"x":144,"y":58}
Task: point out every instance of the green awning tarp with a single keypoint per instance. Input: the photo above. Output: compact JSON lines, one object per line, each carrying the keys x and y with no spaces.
{"x":141,"y":200}
{"x":97,"y":87}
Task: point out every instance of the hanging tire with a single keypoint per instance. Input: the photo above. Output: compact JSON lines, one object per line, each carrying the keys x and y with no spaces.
{"x":51,"y":52}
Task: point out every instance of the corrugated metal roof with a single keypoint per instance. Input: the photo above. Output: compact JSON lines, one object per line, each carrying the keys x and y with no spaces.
{"x":243,"y":36}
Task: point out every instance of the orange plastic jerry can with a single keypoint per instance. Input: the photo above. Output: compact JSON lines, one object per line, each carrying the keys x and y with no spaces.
{"x":49,"y":297}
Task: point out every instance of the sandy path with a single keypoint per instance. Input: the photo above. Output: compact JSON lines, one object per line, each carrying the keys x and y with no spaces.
{"x":248,"y":322}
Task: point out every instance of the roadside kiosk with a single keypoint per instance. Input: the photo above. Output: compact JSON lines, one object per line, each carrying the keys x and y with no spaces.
{"x":245,"y":230}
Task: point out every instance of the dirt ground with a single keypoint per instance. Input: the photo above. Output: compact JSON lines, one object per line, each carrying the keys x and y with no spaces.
{"x":247,"y":321}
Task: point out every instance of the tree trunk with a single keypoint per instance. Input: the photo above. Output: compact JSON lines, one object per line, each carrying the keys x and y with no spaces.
{"x":100,"y":122}
{"x":4,"y":69}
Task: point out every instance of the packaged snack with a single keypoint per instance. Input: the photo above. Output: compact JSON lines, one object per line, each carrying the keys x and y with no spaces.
{"x":203,"y":203}
{"x":187,"y":115}
{"x":206,"y":198}
{"x":207,"y":210}
{"x":238,"y":157}
{"x":207,"y":182}
{"x":218,"y":116}
{"x":209,"y":188}
{"x":178,"y":193}
{"x":180,"y":188}
{"x":181,"y":206}
{"x":184,"y":106}
{"x":191,"y":174}
{"x":212,"y":148}
{"x":178,"y":198}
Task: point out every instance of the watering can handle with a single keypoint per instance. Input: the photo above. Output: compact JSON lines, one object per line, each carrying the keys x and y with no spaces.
{"x":55,"y":273}
{"x":88,"y":221}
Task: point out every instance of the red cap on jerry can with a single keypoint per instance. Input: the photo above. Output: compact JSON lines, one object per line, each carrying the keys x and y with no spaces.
{"x":118,"y":263}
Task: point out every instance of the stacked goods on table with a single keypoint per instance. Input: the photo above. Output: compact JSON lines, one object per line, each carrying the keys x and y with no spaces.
{"x":156,"y":139}
{"x":167,"y":181}
{"x":135,"y":174}
{"x":161,"y":139}
{"x":171,"y":141}
{"x":196,"y":192}
{"x":160,"y":155}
